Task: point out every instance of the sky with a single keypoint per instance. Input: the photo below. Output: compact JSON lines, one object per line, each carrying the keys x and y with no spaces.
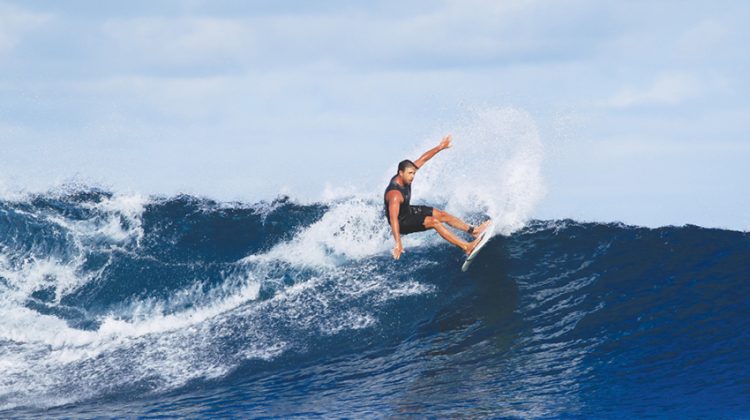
{"x":642,"y":106}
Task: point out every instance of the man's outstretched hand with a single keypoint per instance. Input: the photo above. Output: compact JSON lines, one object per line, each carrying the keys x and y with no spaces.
{"x":397,"y":251}
{"x":445,"y":143}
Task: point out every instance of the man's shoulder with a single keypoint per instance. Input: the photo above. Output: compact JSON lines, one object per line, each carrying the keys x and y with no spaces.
{"x":394,"y":194}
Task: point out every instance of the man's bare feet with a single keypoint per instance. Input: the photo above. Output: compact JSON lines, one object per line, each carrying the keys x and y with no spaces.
{"x":473,"y":244}
{"x":481,"y":228}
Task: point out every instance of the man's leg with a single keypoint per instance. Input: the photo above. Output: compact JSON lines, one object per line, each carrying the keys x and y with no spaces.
{"x":433,"y":223}
{"x":450,"y":219}
{"x":457,"y":223}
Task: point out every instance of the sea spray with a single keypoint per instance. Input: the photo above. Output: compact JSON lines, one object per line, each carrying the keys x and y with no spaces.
{"x":492,"y":169}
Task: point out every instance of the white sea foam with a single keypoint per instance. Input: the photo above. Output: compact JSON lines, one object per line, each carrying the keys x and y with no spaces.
{"x":50,"y":355}
{"x":124,"y":216}
{"x":350,"y":320}
{"x":349,"y":230}
{"x":168,"y":346}
{"x":117,"y":220}
{"x":116,"y":223}
{"x":37,"y":273}
{"x":409,"y":288}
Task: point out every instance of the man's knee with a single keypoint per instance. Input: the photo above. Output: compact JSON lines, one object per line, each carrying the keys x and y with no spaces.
{"x":431,"y":222}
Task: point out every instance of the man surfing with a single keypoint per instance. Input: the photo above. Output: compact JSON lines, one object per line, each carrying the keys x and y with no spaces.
{"x":405,"y":218}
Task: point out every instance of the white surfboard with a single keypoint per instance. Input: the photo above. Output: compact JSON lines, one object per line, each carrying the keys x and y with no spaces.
{"x":486,"y":235}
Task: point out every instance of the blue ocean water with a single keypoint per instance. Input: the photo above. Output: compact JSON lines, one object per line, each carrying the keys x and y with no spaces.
{"x":122,"y":305}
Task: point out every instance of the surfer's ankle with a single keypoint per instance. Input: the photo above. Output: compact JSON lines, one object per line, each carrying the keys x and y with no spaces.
{"x":470,"y":246}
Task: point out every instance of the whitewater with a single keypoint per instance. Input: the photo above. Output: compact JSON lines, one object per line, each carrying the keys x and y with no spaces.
{"x":122,"y":304}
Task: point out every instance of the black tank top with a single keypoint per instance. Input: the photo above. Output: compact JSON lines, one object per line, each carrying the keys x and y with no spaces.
{"x":403,"y":210}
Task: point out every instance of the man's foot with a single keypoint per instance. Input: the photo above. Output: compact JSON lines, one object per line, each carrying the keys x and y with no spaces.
{"x":481,"y":228}
{"x":473,"y":244}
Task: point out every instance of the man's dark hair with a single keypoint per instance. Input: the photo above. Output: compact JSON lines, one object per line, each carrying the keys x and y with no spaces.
{"x":405,"y":164}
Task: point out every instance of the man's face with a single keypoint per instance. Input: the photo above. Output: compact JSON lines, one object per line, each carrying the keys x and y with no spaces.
{"x":408,"y":175}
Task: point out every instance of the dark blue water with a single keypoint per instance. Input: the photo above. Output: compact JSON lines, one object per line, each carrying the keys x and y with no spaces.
{"x":128,"y":306}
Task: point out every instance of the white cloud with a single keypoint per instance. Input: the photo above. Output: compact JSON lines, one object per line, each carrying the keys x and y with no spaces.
{"x":438,"y":35}
{"x":638,"y":148}
{"x":187,"y":98}
{"x":666,"y":90}
{"x":180,"y":40}
{"x":460,"y":33}
{"x":15,"y":23}
{"x":703,"y":38}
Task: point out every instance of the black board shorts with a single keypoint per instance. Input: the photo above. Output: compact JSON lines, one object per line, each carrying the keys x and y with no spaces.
{"x":414,"y":221}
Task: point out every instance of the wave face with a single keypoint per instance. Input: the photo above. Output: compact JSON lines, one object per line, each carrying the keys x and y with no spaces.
{"x":131,"y":306}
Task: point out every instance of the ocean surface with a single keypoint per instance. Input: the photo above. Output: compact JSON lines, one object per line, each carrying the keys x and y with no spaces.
{"x":124,"y":305}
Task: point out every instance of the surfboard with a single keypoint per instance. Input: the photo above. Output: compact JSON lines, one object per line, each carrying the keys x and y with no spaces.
{"x":486,"y":235}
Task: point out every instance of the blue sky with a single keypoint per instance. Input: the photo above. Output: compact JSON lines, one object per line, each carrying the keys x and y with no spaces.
{"x":641,"y":106}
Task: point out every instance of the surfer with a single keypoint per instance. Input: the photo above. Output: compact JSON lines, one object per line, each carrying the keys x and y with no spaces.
{"x":405,"y":218}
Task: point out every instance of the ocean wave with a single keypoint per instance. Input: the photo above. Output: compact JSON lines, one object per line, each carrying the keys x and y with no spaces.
{"x":106,"y":298}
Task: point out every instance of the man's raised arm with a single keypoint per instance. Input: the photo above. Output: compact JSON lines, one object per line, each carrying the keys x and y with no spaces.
{"x":444,"y":144}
